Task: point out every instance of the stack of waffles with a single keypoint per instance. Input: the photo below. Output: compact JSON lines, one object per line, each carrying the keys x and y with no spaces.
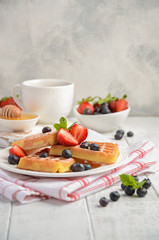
{"x":54,"y":162}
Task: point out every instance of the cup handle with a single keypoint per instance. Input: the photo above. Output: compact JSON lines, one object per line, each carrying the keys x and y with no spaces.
{"x":16,"y":92}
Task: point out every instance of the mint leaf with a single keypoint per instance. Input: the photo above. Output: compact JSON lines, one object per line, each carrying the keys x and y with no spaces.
{"x":128,"y":180}
{"x":140,"y":184}
{"x":132,"y":181}
{"x":57,"y":126}
{"x":63,"y":122}
{"x":125,"y":179}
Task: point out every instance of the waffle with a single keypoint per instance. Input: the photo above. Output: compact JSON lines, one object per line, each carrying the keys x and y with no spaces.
{"x":107,"y":154}
{"x":37,"y":150}
{"x":39,"y":140}
{"x":49,"y":164}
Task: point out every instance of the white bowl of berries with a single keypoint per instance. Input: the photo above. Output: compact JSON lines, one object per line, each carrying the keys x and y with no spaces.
{"x":102,"y":115}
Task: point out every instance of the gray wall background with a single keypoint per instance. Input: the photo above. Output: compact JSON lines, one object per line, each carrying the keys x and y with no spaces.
{"x":102,"y":46}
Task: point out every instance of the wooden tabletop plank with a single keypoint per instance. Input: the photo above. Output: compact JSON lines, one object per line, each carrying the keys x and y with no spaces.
{"x":5,"y":214}
{"x":50,"y":219}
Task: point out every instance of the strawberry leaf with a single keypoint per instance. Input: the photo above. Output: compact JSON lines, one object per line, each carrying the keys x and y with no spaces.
{"x":5,"y":98}
{"x":125,"y":96}
{"x":88,"y":99}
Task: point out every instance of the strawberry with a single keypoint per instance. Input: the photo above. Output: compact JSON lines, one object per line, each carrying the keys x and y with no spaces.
{"x":96,"y":105}
{"x":118,"y":105}
{"x":65,"y":138}
{"x":85,"y":105}
{"x":121,"y":105}
{"x":79,"y":132}
{"x":112,"y":106}
{"x":16,"y":150}
{"x":7,"y":101}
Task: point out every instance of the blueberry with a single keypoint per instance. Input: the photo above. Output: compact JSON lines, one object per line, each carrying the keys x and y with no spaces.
{"x":103,"y":202}
{"x":46,"y":129}
{"x":85,"y":145}
{"x":94,"y":147}
{"x":136,"y":178}
{"x":77,"y":167}
{"x":114,"y":196}
{"x":105,"y":104}
{"x":120,"y":132}
{"x":130,"y":134}
{"x":13,"y":159}
{"x":43,"y":155}
{"x":123,"y":186}
{"x":97,"y":110}
{"x":87,"y":167}
{"x":105,"y":110}
{"x":87,"y":111}
{"x":118,"y":136}
{"x":147,"y":184}
{"x":129,"y":191}
{"x":141,"y":192}
{"x":66,"y":153}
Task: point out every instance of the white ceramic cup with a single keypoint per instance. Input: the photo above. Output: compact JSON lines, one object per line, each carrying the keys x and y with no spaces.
{"x":50,"y":98}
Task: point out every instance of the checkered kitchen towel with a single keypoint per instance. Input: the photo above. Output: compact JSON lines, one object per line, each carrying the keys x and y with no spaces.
{"x":26,"y":189}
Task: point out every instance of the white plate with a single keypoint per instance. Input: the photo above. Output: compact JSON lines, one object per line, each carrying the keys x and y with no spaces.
{"x":122,"y":159}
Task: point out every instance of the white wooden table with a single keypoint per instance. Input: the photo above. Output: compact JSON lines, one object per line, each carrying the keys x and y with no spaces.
{"x":129,"y":218}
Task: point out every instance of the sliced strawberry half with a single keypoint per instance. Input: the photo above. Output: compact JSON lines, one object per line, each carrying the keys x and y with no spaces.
{"x":16,"y":150}
{"x":65,"y":138}
{"x":79,"y":132}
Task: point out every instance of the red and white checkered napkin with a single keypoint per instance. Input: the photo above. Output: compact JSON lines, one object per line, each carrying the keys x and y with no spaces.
{"x":27,"y":189}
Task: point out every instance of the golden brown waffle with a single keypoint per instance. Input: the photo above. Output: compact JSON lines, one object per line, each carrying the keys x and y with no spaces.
{"x":39,"y":140}
{"x":107,"y":154}
{"x":48,"y":164}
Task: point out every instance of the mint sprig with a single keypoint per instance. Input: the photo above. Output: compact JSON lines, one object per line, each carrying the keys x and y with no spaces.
{"x":63,"y":124}
{"x":98,"y":100}
{"x":88,"y":99}
{"x":129,"y":180}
